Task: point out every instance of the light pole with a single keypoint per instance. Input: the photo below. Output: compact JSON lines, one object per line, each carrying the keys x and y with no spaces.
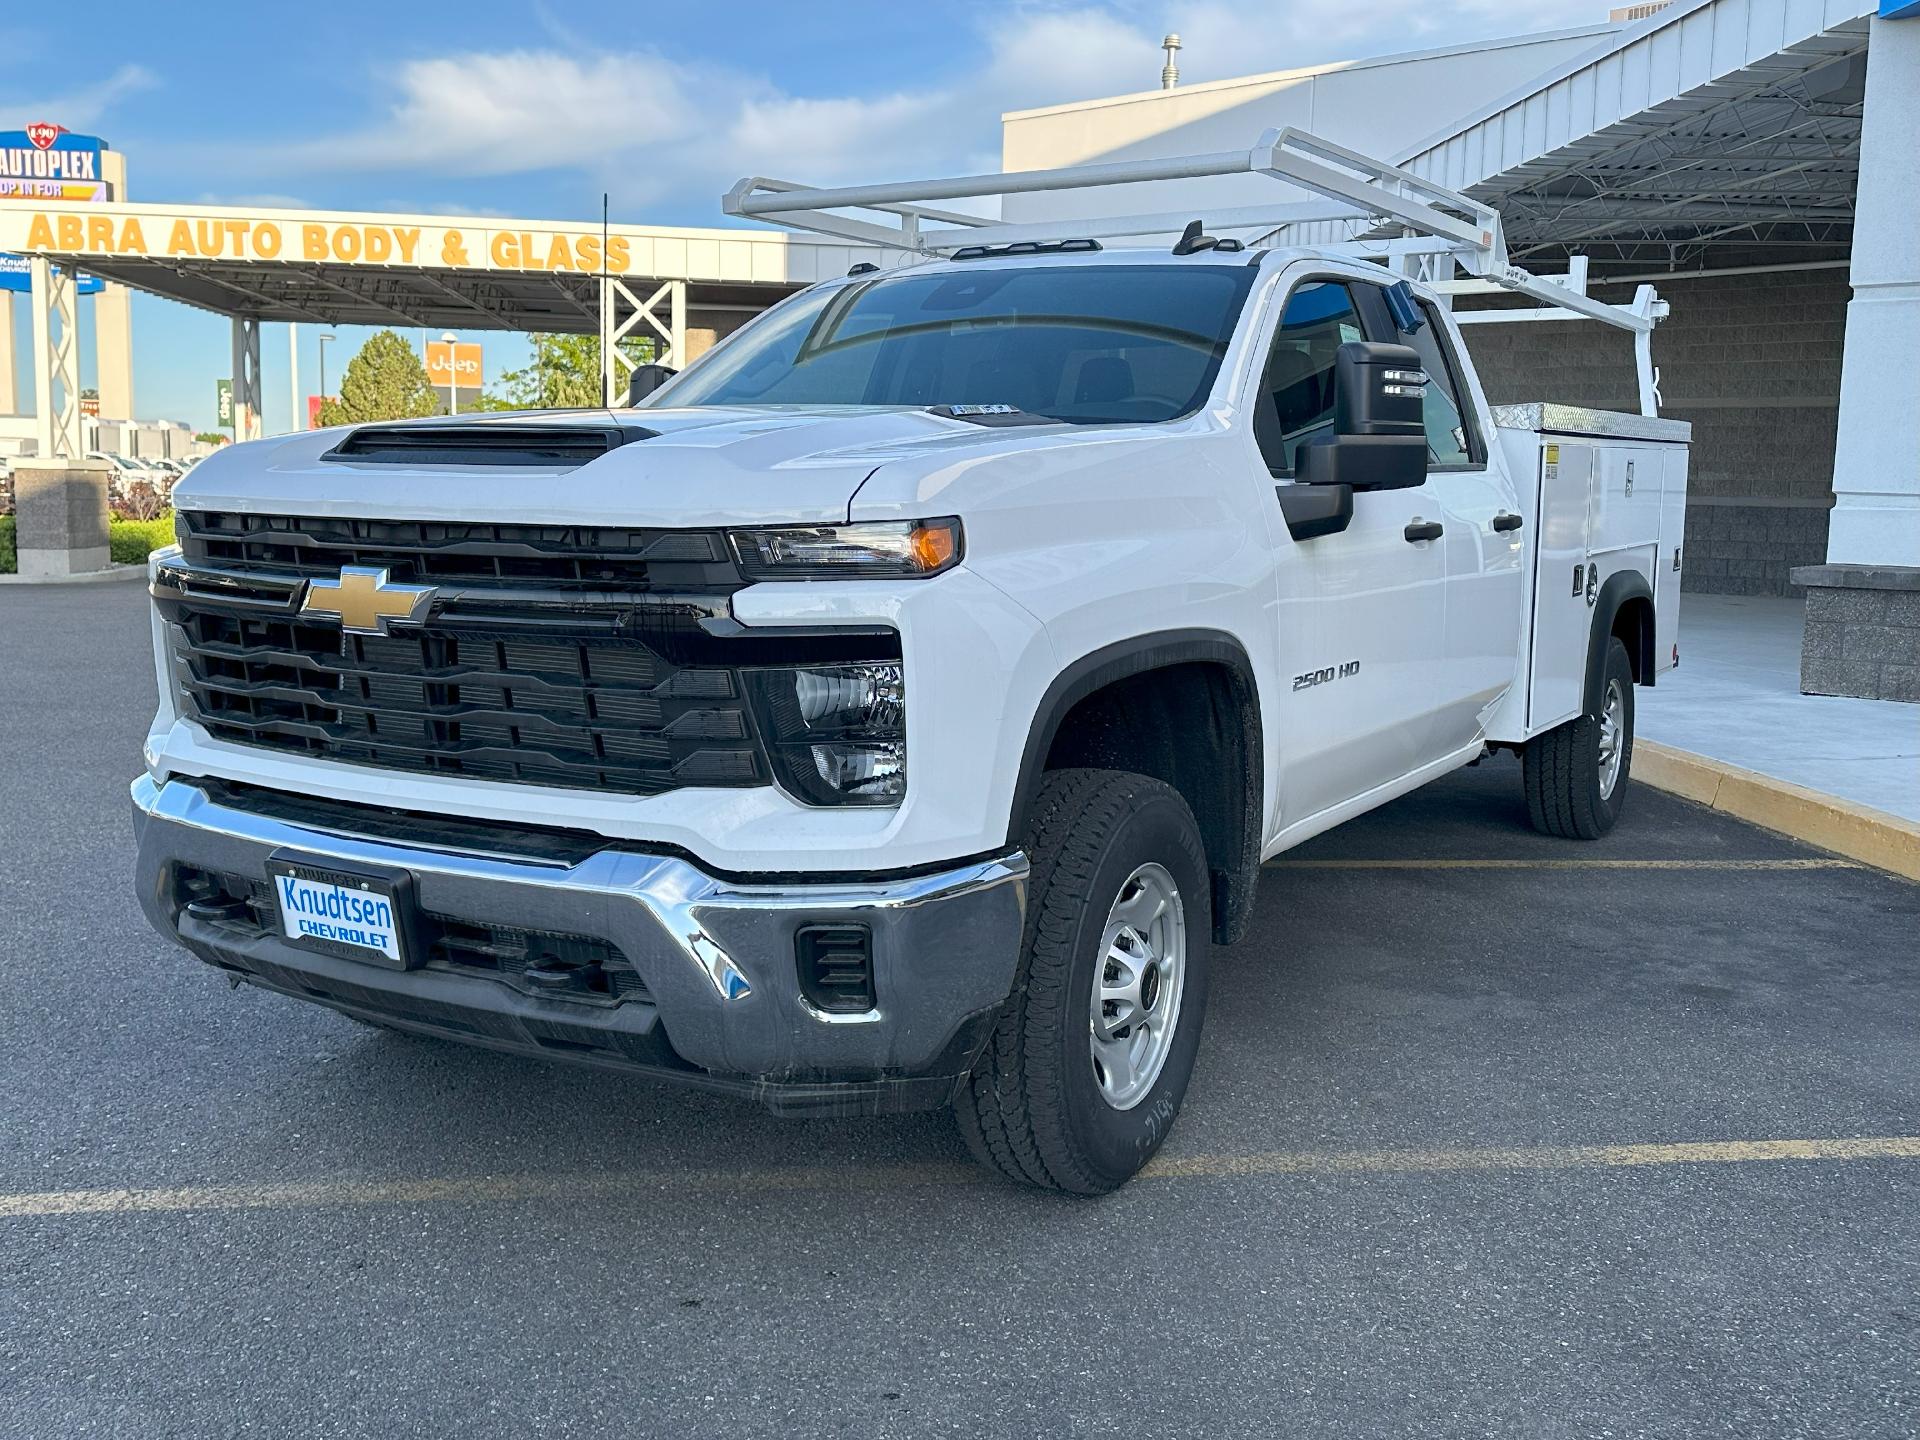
{"x":326,"y":337}
{"x":449,"y":339}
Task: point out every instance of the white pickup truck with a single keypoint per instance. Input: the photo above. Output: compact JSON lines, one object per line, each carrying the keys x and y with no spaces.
{"x":892,"y":710}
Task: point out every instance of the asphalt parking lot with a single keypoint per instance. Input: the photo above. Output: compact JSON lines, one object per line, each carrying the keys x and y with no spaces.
{"x":1490,"y":1134}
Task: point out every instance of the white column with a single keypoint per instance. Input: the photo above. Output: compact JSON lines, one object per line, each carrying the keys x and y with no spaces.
{"x":113,"y":322}
{"x":1876,"y":464}
{"x":9,"y":391}
{"x":296,"y":422}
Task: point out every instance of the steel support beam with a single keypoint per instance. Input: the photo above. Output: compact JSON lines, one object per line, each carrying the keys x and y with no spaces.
{"x":246,"y":379}
{"x":670,"y":333}
{"x":56,"y":362}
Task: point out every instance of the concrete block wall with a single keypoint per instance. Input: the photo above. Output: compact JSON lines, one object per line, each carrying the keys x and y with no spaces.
{"x":1862,"y":634}
{"x":1754,"y":362}
{"x":61,"y":520}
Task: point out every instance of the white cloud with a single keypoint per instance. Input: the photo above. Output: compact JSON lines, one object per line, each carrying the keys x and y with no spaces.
{"x":651,"y":129}
{"x":76,"y":109}
{"x":253,"y":200}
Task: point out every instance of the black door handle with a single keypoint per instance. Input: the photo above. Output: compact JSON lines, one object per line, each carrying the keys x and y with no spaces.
{"x":1424,"y":530}
{"x":1504,"y":522}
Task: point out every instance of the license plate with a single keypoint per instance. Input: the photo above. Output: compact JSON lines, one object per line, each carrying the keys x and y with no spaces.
{"x":362,"y":917}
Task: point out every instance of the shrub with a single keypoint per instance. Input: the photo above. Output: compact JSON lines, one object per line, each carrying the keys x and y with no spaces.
{"x":139,"y":500}
{"x":132,"y":540}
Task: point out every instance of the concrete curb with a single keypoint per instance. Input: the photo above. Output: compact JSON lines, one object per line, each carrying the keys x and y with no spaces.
{"x":89,"y":577}
{"x":1858,"y":832}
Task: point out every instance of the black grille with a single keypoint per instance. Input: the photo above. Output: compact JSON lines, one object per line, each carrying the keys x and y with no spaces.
{"x":548,"y":706}
{"x":536,"y":962}
{"x":491,"y":443}
{"x":593,"y":557}
{"x":407,"y":827}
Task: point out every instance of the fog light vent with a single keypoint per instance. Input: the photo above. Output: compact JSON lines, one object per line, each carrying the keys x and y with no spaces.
{"x":836,"y":967}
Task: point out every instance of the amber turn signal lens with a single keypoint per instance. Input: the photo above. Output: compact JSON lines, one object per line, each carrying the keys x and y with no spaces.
{"x":934,"y":546}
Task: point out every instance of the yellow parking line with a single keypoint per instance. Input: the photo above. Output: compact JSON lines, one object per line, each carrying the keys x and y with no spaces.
{"x":1536,"y":1157}
{"x":631,"y":1185}
{"x":1813,"y":863}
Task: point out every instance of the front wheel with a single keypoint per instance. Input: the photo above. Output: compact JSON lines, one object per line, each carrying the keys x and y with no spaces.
{"x":1089,"y":1062}
{"x":1576,"y":773}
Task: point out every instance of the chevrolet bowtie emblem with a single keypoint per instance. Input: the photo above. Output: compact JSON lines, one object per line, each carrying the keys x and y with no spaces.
{"x":365,"y":600}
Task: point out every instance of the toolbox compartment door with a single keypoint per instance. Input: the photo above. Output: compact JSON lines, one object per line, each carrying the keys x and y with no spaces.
{"x":1557,"y":661}
{"x":1670,"y":558}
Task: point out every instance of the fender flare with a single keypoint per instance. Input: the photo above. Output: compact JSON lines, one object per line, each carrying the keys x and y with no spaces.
{"x":1135,"y":656}
{"x":1620,"y":587}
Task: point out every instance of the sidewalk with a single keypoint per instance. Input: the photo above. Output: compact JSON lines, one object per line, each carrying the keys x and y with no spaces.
{"x":1736,"y":698}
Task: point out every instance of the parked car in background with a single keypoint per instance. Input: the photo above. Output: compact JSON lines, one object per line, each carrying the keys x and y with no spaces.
{"x":138,"y":489}
{"x":123,"y":469}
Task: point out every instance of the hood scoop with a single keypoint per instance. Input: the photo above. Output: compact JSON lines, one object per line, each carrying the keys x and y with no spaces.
{"x":546,"y":447}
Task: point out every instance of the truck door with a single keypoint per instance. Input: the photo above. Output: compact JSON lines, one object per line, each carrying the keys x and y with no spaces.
{"x":1360,"y":631}
{"x":1483,"y":545}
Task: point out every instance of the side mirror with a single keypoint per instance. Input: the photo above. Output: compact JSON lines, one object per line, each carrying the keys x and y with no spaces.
{"x":646,"y":379}
{"x":1379,"y":436}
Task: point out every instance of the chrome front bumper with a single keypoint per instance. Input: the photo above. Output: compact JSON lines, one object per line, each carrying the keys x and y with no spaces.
{"x":723,"y":1005}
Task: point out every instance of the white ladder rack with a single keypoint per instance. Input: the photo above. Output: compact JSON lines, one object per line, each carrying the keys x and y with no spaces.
{"x":1417,"y":227}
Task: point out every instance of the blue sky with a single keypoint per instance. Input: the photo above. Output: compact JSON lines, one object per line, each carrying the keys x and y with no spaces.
{"x":534,"y":109}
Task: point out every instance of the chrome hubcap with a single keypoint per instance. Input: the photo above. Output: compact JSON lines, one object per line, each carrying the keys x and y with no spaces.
{"x":1613,"y":734}
{"x":1141,"y":972}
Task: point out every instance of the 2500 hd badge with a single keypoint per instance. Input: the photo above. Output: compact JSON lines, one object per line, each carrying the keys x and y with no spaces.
{"x":1321,"y":677}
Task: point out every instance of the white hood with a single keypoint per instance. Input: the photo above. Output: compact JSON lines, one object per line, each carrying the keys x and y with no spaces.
{"x":702,"y":467}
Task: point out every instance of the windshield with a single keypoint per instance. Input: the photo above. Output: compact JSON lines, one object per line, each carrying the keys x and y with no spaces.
{"x":1089,"y":344}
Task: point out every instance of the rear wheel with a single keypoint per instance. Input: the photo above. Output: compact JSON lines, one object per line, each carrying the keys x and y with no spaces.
{"x":1576,"y":773}
{"x":1089,"y":1062}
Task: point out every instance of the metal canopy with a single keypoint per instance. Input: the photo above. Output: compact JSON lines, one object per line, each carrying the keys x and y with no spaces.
{"x":1710,"y":131}
{"x":433,"y":299}
{"x":430,"y":272}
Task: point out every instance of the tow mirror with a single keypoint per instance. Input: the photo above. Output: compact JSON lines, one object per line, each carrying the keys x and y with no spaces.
{"x":646,"y":379}
{"x":1379,"y":435}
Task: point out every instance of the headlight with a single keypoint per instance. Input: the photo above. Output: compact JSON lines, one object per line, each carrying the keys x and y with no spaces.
{"x":826,"y":552}
{"x":837,"y":733}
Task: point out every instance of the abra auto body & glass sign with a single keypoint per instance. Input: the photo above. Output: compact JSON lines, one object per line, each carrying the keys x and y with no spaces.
{"x":153,"y":234}
{"x":188,"y":235}
{"x":48,"y":162}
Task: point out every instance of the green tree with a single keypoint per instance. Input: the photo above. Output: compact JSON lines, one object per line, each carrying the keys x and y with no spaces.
{"x":564,"y":375}
{"x":385,"y":381}
{"x":213,"y":437}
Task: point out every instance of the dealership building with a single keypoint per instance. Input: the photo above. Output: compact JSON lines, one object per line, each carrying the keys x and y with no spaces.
{"x":1756,"y":160}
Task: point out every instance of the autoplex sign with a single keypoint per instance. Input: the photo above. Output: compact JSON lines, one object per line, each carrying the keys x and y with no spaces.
{"x":48,"y":162}
{"x":156,"y":235}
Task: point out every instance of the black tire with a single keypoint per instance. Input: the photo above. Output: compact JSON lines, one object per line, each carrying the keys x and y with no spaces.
{"x":1562,"y":769}
{"x":1033,"y":1108}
